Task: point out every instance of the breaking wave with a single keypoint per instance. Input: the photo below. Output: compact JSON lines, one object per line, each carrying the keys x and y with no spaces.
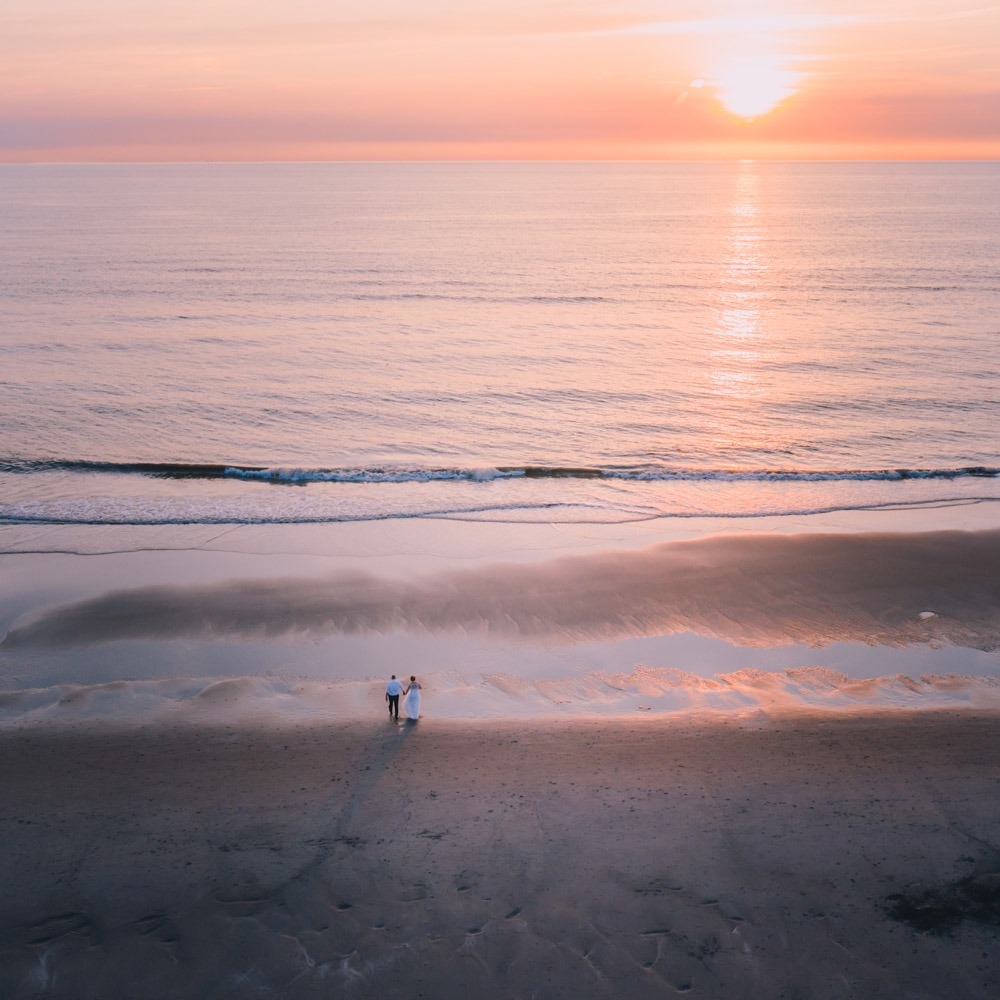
{"x":84,"y":492}
{"x":410,"y":474}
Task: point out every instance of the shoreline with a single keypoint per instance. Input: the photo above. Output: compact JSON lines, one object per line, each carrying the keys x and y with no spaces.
{"x":452,"y":698}
{"x":544,"y":606}
{"x":720,"y":857}
{"x":442,"y":539}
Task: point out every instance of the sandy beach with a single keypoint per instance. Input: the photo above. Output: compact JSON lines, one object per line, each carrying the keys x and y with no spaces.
{"x":724,"y":765}
{"x":766,"y":855}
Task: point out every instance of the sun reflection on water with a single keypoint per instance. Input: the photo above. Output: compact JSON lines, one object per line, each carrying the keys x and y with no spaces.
{"x":737,"y":344}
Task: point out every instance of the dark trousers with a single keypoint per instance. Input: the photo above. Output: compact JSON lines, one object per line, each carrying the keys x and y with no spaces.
{"x":393,"y":705}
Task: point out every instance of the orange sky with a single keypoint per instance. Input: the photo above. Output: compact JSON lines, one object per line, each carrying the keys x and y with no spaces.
{"x":497,"y":79}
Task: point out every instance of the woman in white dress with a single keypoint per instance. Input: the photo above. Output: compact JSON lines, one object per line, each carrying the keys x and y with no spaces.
{"x":411,"y":703}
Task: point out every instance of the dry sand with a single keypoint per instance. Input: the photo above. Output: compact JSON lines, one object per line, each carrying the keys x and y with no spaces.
{"x":802,"y":855}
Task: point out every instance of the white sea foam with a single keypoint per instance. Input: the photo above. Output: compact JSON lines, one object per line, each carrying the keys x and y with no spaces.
{"x":377,"y":474}
{"x":411,"y":474}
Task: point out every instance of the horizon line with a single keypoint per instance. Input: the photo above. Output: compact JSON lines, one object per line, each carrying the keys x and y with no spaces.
{"x":469,"y":160}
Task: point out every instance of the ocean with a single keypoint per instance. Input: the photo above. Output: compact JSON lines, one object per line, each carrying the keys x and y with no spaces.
{"x":218,"y":344}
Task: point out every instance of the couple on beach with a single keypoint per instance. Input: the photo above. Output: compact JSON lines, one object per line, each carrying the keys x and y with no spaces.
{"x":412,"y":703}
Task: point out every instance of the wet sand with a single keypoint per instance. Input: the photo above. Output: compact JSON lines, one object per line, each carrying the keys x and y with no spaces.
{"x":781,"y":855}
{"x":754,"y":589}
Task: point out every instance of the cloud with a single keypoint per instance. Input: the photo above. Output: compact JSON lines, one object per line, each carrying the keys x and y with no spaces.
{"x":758,"y":24}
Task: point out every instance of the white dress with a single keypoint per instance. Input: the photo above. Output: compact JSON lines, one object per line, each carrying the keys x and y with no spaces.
{"x":411,"y":703}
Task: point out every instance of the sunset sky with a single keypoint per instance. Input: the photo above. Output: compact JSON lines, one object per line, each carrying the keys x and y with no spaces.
{"x":497,"y":79}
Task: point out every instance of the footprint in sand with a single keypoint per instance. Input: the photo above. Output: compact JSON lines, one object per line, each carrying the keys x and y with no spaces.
{"x":59,"y":925}
{"x":415,"y":894}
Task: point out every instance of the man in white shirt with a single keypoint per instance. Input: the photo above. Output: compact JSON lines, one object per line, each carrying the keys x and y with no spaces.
{"x":392,"y":692}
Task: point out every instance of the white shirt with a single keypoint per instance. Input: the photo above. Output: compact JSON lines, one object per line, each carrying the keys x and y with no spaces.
{"x":394,"y":687}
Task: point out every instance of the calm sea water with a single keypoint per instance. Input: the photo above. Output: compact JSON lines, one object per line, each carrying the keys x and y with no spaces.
{"x":558,"y":342}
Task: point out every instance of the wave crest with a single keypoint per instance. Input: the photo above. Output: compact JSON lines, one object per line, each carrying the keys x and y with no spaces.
{"x":391,"y":473}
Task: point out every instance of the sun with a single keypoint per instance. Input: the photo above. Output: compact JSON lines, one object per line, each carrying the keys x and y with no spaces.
{"x":753,"y":85}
